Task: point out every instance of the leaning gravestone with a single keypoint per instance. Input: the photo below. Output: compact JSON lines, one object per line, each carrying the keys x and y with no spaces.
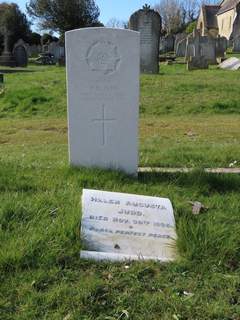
{"x":20,"y":53}
{"x":148,"y":23}
{"x":103,"y":98}
{"x":118,"y":227}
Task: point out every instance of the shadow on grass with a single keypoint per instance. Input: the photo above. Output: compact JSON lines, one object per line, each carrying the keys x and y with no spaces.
{"x":16,"y":71}
{"x":221,"y":183}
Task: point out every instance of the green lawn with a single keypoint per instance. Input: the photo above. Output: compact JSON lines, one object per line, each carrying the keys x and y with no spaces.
{"x":187,"y":119}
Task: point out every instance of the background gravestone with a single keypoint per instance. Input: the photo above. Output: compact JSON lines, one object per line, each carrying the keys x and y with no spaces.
{"x":221,"y":47}
{"x":57,"y":50}
{"x":103,"y":98}
{"x":236,"y":44}
{"x":195,"y":63}
{"x":20,"y":53}
{"x":166,"y":44}
{"x":179,"y":37}
{"x":7,"y":59}
{"x":198,"y":46}
{"x":148,"y":23}
{"x":181,"y":48}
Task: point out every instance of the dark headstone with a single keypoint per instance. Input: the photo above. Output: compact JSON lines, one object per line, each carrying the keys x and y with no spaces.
{"x":7,"y":59}
{"x":236,"y":44}
{"x":195,"y":63}
{"x":166,"y":44}
{"x":1,"y":78}
{"x":148,"y":23}
{"x":20,"y":54}
{"x":198,"y":46}
{"x":181,"y":48}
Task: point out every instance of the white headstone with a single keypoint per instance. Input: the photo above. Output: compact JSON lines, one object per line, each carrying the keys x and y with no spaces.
{"x":118,"y":227}
{"x":103,"y":97}
{"x":232,"y":63}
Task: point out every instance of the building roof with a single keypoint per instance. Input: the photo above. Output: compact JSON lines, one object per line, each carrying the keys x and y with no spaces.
{"x":227,"y":5}
{"x":210,"y":12}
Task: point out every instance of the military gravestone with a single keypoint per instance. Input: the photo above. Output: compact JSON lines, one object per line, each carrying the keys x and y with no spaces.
{"x":117,"y":226}
{"x":20,"y":53}
{"x":103,"y":98}
{"x":148,"y":23}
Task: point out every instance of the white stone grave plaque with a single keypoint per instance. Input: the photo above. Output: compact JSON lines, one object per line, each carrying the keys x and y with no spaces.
{"x":118,"y":227}
{"x":232,"y":63}
{"x":103,"y":97}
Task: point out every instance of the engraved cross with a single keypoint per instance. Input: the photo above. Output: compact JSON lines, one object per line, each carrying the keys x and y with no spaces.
{"x":103,"y":121}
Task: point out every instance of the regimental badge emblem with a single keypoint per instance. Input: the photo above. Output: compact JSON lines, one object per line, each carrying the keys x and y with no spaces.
{"x":103,"y":56}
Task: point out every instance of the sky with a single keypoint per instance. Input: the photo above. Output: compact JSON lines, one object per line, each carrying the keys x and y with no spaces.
{"x":120,"y":9}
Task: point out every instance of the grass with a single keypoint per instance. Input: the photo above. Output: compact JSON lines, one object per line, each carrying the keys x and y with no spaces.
{"x":41,"y":275}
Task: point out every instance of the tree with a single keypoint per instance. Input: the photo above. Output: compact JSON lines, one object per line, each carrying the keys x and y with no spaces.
{"x":191,"y":27}
{"x":115,"y":23}
{"x":15,"y":21}
{"x":177,"y":14}
{"x":172,"y":15}
{"x":63,"y":15}
{"x":34,"y":38}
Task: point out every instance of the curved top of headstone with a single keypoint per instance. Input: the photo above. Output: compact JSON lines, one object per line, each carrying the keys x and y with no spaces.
{"x":146,"y":11}
{"x":100,"y":29}
{"x":22,"y":43}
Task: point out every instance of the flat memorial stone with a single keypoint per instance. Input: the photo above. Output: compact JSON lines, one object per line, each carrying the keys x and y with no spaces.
{"x":232,"y":63}
{"x":103,"y":98}
{"x":118,"y":227}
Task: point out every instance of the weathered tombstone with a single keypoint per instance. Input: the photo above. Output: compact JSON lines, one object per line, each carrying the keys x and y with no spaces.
{"x":195,"y":63}
{"x":166,"y":44}
{"x":20,"y":53}
{"x":192,"y":45}
{"x":208,"y":49}
{"x":148,"y":23}
{"x":221,"y":47}
{"x":45,"y":48}
{"x":181,"y":48}
{"x":198,"y":46}
{"x":236,"y":44}
{"x":56,"y":50}
{"x":179,"y":37}
{"x":103,"y":97}
{"x":7,"y":59}
{"x":118,"y":227}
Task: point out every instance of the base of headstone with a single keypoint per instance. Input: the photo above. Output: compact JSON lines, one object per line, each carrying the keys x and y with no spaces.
{"x":196,"y":63}
{"x":61,"y":62}
{"x":106,"y":256}
{"x":7,"y":60}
